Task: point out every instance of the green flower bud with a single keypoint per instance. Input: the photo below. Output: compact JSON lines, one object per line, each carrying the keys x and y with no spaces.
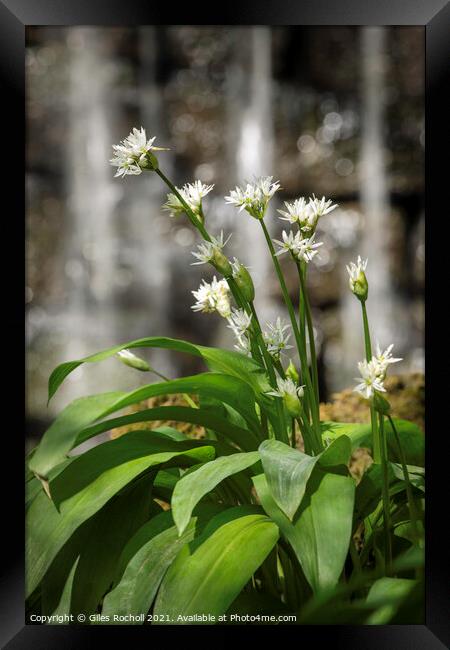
{"x":291,"y":372}
{"x":130,"y":359}
{"x":357,"y":279}
{"x":360,"y":287}
{"x":243,"y":280}
{"x":293,"y":405}
{"x":220,"y":262}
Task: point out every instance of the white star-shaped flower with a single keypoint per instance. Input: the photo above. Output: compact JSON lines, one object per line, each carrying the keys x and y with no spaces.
{"x":287,"y":387}
{"x":130,"y":156}
{"x":212,"y":297}
{"x":254,"y":197}
{"x":383,"y":359}
{"x":301,"y":249}
{"x":276,"y":338}
{"x":192,"y":194}
{"x":208,"y":249}
{"x":319,"y":207}
{"x":370,"y":380}
{"x":239,"y":322}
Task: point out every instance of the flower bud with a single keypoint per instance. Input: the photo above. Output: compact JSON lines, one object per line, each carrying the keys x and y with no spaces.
{"x":221,"y":263}
{"x":129,"y":359}
{"x":357,"y":279}
{"x":381,"y":404}
{"x":293,"y":405}
{"x":360,"y":287}
{"x":291,"y":372}
{"x":243,"y":280}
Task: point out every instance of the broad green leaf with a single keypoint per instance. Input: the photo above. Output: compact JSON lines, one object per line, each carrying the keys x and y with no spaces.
{"x":230,"y":390}
{"x":109,"y":531}
{"x":224,"y":361}
{"x":243,"y":438}
{"x":416,"y":475}
{"x":287,"y":470}
{"x":192,"y":487}
{"x":62,"y":434}
{"x":324,"y":525}
{"x":387,"y":594}
{"x":411,"y":437}
{"x":67,"y":429}
{"x":88,"y":483}
{"x":143,"y":574}
{"x":63,"y":607}
{"x":209,"y":573}
{"x":320,"y":534}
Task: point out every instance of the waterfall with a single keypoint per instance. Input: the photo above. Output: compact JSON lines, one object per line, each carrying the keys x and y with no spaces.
{"x":251,"y":139}
{"x":374,"y":198}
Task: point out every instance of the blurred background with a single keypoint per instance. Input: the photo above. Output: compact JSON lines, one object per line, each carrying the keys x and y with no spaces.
{"x":338,"y":111}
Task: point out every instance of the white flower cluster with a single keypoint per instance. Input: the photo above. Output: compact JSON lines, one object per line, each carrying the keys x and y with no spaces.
{"x":276,"y":338}
{"x":254,"y":197}
{"x":192,"y":194}
{"x":302,"y":246}
{"x":373,"y":372}
{"x":355,"y":271}
{"x":306,"y":215}
{"x":287,"y":388}
{"x":131,"y":155}
{"x":301,"y":249}
{"x":208,"y":249}
{"x":213,"y":297}
{"x":239,"y":322}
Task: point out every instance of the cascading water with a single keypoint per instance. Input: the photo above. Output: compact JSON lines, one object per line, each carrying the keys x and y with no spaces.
{"x":251,"y":123}
{"x":374,"y":198}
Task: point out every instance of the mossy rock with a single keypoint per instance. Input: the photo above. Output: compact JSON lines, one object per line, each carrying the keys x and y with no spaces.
{"x":406,"y":394}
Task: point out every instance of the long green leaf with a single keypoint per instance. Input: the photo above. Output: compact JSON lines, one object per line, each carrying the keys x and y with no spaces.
{"x":61,"y":436}
{"x":324,"y":524}
{"x":230,"y":390}
{"x":143,"y":574}
{"x":109,"y":531}
{"x":224,"y":361}
{"x":387,"y":594}
{"x":243,"y":438}
{"x":209,"y":573}
{"x":63,"y":607}
{"x":287,"y":470}
{"x":75,"y":423}
{"x":192,"y":487}
{"x":88,"y":483}
{"x":411,"y":438}
{"x":320,"y":534}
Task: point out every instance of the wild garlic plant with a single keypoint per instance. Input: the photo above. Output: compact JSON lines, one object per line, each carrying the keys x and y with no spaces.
{"x":240,"y":520}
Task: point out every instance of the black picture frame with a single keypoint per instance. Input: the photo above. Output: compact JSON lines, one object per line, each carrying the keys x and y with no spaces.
{"x":15,"y":15}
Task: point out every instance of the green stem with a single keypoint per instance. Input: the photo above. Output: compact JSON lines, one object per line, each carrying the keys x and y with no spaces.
{"x":318,"y":446}
{"x":312,"y":346}
{"x":409,"y":492}
{"x":302,"y":327}
{"x":386,"y":504}
{"x":373,"y":416}
{"x":193,"y":218}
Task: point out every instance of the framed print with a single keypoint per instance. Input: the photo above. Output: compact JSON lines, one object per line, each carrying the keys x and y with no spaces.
{"x":227,"y":415}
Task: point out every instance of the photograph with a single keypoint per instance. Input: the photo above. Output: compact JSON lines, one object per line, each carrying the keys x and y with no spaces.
{"x":225,"y":353}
